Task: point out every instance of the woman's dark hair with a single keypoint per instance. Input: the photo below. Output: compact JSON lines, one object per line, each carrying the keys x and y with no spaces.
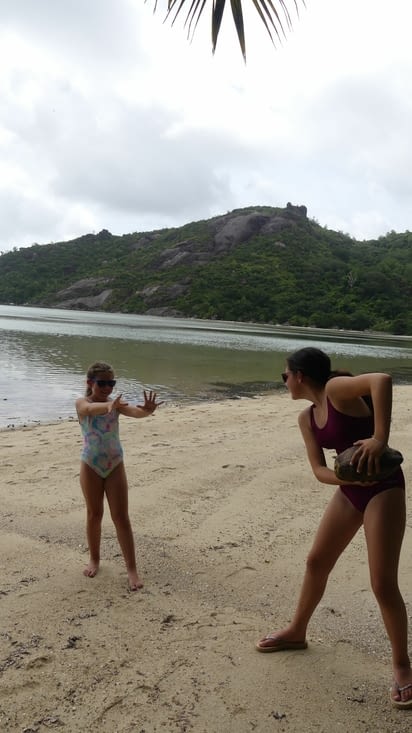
{"x":312,"y":362}
{"x":315,"y":364}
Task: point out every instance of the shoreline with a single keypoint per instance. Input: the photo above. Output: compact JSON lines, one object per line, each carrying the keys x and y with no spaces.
{"x":224,"y":508}
{"x":218,"y":323}
{"x":233,"y":393}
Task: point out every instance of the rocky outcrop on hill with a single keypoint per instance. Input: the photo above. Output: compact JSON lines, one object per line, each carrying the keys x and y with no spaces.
{"x":228,"y":231}
{"x":86,"y":294}
{"x":237,"y":228}
{"x":188,"y":252}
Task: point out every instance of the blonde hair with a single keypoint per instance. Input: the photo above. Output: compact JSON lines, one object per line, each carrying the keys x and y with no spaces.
{"x":97,"y":368}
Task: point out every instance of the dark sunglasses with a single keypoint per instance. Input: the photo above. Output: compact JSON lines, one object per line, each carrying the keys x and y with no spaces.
{"x":105,"y":382}
{"x":286,"y":375}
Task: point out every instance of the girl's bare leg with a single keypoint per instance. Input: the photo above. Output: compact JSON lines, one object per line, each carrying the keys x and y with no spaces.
{"x":93,"y":491}
{"x":117,"y":496}
{"x":338,"y":526}
{"x":384,"y":523}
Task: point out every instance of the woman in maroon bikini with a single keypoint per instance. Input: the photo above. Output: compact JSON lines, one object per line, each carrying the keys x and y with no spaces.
{"x":349,"y":410}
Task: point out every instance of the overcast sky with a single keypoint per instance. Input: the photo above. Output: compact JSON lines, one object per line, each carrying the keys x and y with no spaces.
{"x":110,"y":118}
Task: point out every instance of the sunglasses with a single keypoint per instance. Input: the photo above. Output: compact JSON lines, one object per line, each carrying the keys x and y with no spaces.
{"x":105,"y":382}
{"x":286,"y":375}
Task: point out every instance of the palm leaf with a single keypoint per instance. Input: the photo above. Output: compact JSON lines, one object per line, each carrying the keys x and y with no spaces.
{"x":274,"y":15}
{"x":238,"y":21}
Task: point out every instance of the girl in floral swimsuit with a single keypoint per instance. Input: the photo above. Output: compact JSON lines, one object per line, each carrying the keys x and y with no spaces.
{"x":102,"y":470}
{"x":340,"y":416}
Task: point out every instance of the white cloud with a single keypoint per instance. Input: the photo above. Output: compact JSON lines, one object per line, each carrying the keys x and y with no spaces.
{"x":110,"y":118}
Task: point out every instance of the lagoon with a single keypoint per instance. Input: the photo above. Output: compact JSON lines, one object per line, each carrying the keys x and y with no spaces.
{"x":45,"y":354}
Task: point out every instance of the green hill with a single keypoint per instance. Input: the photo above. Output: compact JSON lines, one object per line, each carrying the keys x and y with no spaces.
{"x":262,"y":264}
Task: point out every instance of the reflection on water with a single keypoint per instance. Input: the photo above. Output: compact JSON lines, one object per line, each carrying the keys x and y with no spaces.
{"x":45,"y":354}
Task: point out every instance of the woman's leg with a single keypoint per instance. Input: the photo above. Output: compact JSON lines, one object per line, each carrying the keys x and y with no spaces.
{"x":338,"y":526}
{"x":93,"y":491}
{"x":384,"y":523}
{"x":117,"y":496}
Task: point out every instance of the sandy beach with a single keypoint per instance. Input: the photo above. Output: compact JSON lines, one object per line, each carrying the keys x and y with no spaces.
{"x":224,"y":508}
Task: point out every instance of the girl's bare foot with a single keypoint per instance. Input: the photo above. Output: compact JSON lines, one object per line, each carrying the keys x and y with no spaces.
{"x":91,"y":569}
{"x":135,"y":582}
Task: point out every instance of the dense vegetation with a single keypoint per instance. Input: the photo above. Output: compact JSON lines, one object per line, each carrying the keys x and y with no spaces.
{"x":304,"y":275}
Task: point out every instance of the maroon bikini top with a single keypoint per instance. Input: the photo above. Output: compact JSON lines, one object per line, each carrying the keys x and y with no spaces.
{"x":341,"y":430}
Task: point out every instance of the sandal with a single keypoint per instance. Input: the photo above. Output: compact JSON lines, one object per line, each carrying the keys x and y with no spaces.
{"x":401,"y":704}
{"x":279,"y":645}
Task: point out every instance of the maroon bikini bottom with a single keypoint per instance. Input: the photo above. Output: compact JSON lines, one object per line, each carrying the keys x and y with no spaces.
{"x":360,"y":496}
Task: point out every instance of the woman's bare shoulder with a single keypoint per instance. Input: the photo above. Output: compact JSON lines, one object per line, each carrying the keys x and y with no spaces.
{"x":304,"y":417}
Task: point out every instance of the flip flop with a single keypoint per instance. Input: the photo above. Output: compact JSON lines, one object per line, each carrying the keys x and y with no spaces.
{"x":400,"y":704}
{"x":280,"y":645}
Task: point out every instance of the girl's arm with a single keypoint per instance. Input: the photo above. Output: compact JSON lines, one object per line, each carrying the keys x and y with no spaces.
{"x":144,"y":410}
{"x":315,"y":454}
{"x":85,"y":407}
{"x":342,"y":390}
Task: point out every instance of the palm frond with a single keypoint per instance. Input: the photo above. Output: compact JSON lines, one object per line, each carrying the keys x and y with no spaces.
{"x":274,"y":15}
{"x":237,"y":13}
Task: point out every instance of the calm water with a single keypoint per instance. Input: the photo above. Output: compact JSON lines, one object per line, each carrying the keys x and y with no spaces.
{"x":45,"y":353}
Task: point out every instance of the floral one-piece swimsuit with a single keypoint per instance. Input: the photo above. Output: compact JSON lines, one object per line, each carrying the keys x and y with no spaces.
{"x":102,"y":450}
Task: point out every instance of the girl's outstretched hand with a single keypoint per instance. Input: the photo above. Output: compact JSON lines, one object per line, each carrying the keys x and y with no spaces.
{"x":150,"y":403}
{"x":116,"y":403}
